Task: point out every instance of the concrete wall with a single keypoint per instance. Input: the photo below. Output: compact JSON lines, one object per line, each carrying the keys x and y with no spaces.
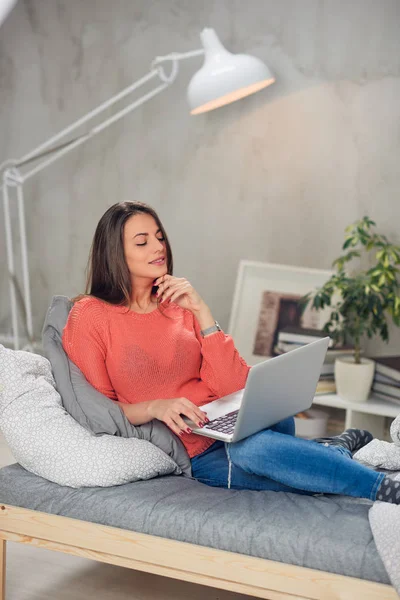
{"x":275,"y":177}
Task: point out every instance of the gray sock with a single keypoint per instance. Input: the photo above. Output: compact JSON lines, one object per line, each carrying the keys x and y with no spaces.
{"x":389,"y":491}
{"x":352,"y":439}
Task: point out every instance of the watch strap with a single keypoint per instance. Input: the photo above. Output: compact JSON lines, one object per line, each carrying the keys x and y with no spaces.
{"x":215,"y":327}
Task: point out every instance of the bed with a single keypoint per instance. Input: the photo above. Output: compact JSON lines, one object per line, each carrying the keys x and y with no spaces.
{"x":265,"y":544}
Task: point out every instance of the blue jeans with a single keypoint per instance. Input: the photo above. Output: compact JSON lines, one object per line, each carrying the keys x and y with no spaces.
{"x":276,"y":460}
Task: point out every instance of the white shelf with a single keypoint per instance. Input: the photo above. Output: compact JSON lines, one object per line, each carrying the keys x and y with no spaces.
{"x":373,"y":406}
{"x":368,"y":415}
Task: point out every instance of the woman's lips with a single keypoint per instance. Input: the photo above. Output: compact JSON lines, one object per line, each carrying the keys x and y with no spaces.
{"x":159,"y":261}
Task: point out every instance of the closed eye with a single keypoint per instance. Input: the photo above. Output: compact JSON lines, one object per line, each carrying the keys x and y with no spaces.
{"x":161,"y":239}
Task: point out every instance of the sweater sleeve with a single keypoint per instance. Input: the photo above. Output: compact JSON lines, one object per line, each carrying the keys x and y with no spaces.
{"x":84,"y":341}
{"x":222,"y":367}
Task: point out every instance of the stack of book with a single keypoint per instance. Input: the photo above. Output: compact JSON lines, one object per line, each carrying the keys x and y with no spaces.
{"x":291,"y":338}
{"x":386,"y":382}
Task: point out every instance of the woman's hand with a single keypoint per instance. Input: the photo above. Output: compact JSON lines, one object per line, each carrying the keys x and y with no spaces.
{"x":170,"y":411}
{"x":180,"y":291}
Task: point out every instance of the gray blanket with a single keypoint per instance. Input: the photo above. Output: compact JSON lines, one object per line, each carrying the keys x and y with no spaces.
{"x":329,"y":533}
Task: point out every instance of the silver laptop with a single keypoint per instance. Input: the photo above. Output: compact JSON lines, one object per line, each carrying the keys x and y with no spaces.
{"x":275,"y":389}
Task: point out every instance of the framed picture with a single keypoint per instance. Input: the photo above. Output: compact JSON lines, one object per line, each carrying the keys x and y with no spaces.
{"x":267,"y":299}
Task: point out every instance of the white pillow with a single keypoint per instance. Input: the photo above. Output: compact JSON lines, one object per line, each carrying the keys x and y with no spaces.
{"x":47,"y":441}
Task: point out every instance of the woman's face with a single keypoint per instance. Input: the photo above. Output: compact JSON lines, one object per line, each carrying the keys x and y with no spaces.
{"x":144,"y":247}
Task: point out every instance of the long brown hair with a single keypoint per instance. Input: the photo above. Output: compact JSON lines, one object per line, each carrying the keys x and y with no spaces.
{"x":108,"y":276}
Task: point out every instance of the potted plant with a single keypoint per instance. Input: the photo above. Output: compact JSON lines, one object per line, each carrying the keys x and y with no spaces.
{"x":362,"y":301}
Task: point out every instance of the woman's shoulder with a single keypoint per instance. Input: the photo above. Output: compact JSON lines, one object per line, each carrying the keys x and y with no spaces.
{"x":87,"y":307}
{"x":85,"y":301}
{"x":87,"y":321}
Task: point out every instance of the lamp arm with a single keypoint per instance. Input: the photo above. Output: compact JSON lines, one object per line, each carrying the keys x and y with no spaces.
{"x":45,"y":148}
{"x":92,"y":132}
{"x":174,"y":57}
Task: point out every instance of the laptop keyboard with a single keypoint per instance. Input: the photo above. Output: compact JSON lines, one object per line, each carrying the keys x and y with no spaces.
{"x":224,"y":424}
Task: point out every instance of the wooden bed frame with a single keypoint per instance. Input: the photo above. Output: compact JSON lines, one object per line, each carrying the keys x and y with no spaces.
{"x":198,"y":564}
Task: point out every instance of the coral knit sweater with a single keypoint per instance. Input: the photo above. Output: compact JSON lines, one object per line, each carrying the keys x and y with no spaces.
{"x":132,"y":357}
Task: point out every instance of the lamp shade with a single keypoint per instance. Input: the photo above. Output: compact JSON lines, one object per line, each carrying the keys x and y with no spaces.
{"x":224,"y":77}
{"x":5,"y":7}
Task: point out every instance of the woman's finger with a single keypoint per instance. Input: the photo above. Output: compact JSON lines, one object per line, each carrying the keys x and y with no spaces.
{"x":194,"y":407}
{"x":180,"y":423}
{"x":194,"y":413}
{"x":200,"y":413}
{"x":178,"y":293}
{"x":173,"y":426}
{"x":166,"y":283}
{"x":163,"y":278}
{"x":199,"y":420}
{"x":168,"y":286}
{"x":180,"y":288}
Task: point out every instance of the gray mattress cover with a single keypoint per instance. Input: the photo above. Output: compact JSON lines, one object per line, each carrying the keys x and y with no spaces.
{"x":330,"y":533}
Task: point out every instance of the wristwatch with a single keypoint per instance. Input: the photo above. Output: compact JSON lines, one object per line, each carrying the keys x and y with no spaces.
{"x":215,"y":327}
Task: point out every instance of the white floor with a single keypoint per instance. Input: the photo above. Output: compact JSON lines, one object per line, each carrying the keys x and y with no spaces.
{"x":35,"y":574}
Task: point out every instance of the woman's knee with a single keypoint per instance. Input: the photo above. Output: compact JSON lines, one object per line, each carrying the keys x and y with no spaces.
{"x":257,"y":446}
{"x":286,"y":426}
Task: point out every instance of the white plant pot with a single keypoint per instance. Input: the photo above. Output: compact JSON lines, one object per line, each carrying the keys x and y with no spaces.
{"x":353,"y":381}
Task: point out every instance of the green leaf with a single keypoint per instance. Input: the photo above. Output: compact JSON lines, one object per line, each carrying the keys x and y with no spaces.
{"x":362,"y":301}
{"x":348,"y":242}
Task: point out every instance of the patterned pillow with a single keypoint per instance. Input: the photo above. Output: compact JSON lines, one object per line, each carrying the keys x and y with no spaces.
{"x":47,"y":441}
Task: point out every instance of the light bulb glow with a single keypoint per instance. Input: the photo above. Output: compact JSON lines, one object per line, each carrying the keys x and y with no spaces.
{"x":232,"y":97}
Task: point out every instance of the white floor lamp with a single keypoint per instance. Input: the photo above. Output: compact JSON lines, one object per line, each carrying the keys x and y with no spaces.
{"x":223,"y":78}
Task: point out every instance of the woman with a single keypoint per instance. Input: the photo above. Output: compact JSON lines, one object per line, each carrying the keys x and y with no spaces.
{"x":148,"y":341}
